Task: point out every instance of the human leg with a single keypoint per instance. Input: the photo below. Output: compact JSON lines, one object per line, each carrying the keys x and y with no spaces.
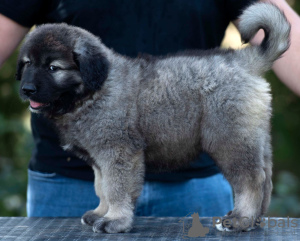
{"x":53,"y":195}
{"x":209,"y":196}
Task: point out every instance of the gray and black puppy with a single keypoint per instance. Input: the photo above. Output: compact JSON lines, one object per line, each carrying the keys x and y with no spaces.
{"x":122,"y":115}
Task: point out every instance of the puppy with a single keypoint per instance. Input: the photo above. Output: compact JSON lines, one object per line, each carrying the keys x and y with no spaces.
{"x":122,"y":115}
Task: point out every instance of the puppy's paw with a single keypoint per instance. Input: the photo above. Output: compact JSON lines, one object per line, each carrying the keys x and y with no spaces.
{"x":106,"y":225}
{"x":236,"y":223}
{"x":89,"y":218}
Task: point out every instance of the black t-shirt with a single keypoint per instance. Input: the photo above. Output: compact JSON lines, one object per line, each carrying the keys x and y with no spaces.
{"x":130,"y":27}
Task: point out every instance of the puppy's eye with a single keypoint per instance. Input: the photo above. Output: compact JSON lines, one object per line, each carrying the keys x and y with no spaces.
{"x":53,"y":68}
{"x":28,"y":62}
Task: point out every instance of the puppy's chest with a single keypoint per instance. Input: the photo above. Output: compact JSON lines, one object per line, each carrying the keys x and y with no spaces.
{"x":93,"y":130}
{"x":76,"y":136}
{"x":75,"y":131}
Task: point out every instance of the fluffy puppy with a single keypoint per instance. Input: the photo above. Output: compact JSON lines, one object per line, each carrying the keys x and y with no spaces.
{"x":123,"y":114}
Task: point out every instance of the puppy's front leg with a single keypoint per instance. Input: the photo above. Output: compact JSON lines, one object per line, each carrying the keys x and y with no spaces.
{"x":122,"y":173}
{"x":91,"y":216}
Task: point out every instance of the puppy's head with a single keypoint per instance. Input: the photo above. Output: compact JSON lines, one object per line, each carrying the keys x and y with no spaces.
{"x":59,"y":65}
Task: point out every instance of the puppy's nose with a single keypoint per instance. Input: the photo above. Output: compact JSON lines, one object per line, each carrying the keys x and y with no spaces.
{"x":29,"y":89}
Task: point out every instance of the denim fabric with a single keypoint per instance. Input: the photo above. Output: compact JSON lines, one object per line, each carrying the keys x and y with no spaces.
{"x":210,"y":196}
{"x":53,"y":195}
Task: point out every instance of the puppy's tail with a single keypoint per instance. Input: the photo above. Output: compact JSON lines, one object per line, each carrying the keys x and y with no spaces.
{"x":268,"y":17}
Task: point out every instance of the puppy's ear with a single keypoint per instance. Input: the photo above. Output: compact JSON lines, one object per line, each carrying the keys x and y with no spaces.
{"x":93,"y":67}
{"x":20,"y":67}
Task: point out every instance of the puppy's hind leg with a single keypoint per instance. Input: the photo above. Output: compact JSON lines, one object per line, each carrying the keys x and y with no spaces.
{"x":235,"y":130}
{"x":242,"y":165}
{"x":122,"y":182}
{"x":238,"y":147}
{"x":91,"y":216}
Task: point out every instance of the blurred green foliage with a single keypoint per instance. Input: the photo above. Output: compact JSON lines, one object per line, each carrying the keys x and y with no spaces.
{"x":16,"y":145}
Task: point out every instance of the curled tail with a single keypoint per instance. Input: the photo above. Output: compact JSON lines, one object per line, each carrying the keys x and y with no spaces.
{"x":271,"y":19}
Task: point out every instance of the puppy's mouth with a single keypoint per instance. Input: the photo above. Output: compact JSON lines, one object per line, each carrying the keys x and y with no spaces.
{"x":37,"y":106}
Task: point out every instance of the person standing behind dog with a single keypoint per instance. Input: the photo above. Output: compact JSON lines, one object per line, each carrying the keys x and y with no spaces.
{"x":57,"y":178}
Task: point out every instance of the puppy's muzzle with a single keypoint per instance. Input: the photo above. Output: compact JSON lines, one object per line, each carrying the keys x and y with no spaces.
{"x":29,"y":89}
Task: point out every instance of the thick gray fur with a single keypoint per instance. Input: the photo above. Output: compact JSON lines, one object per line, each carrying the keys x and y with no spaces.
{"x":159,"y":112}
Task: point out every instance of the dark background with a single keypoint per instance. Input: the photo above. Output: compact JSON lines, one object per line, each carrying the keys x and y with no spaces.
{"x":16,"y":145}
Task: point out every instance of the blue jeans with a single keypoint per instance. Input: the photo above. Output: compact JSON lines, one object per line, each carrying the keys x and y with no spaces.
{"x":53,"y":195}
